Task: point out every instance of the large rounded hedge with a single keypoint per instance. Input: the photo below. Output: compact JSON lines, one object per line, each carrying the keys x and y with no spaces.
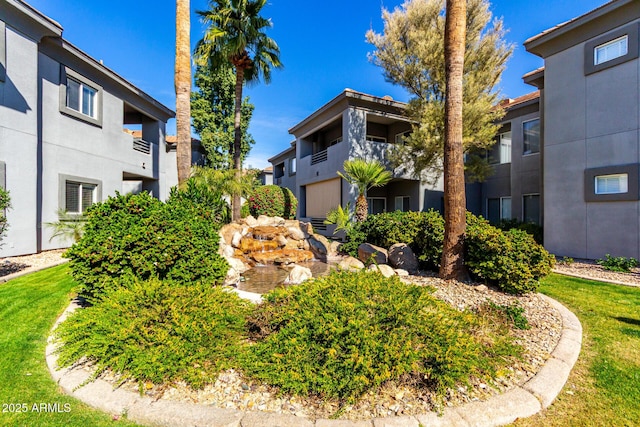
{"x":138,"y":236}
{"x":272,"y":200}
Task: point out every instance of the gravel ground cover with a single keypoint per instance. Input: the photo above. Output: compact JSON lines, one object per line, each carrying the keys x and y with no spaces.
{"x":590,"y":269}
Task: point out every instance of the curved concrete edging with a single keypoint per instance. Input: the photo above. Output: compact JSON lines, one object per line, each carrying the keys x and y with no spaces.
{"x":523,"y":401}
{"x":8,"y":277}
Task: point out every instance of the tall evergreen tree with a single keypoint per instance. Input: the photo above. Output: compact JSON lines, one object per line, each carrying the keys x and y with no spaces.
{"x":411,"y":53}
{"x":212,"y":110}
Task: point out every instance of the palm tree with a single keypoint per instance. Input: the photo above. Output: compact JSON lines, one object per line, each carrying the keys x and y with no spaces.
{"x":182,"y":81}
{"x":365,"y":175}
{"x":452,"y":263}
{"x":236,"y":34}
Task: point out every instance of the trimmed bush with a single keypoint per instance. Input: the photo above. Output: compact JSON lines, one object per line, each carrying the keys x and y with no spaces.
{"x":272,"y":200}
{"x":533,"y":229}
{"x":200,"y":194}
{"x":153,"y":331}
{"x":139,"y":236}
{"x":346,"y":333}
{"x":511,"y":259}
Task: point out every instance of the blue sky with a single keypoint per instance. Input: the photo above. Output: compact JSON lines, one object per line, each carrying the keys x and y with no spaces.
{"x":322,"y":45}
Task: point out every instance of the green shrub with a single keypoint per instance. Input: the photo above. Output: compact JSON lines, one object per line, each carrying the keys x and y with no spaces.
{"x":346,"y":333}
{"x":272,"y":200}
{"x":512,"y":259}
{"x":200,"y":194}
{"x":535,"y":230}
{"x":618,"y":263}
{"x":139,"y":236}
{"x":566,"y":260}
{"x":153,"y":331}
{"x":422,"y":231}
{"x":5,"y":203}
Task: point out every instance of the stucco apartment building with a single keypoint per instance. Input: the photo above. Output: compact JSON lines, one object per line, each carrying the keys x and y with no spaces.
{"x":62,"y":144}
{"x":567,"y":156}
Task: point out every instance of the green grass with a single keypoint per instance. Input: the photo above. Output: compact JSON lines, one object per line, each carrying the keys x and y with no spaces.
{"x":29,"y":306}
{"x":604,"y":386}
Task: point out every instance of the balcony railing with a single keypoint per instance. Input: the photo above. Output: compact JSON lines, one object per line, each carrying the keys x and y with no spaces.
{"x":320,"y":156}
{"x":141,"y":145}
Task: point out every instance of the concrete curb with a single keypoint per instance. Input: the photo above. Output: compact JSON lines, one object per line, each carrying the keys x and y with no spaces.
{"x":520,"y":402}
{"x":8,"y":277}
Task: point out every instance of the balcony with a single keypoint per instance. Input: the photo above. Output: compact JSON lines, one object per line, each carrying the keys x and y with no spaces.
{"x":141,"y":145}
{"x":319,"y":157}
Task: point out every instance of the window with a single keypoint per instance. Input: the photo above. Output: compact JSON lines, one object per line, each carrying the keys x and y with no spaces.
{"x":376,"y":205}
{"x":498,"y":209}
{"x":79,"y":196}
{"x":611,"y":50}
{"x":402,"y":203}
{"x":501,"y":151}
{"x":335,"y":141}
{"x":401,"y":137}
{"x":80,"y":97}
{"x":371,"y":138}
{"x":531,"y":136}
{"x":531,"y":208}
{"x":292,"y":166}
{"x":612,"y":184}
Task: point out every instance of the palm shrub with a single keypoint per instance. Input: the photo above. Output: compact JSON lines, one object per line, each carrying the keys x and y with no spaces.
{"x":139,"y":236}
{"x":157,"y":332}
{"x":272,"y":200}
{"x":364,"y":175}
{"x":344,"y":334}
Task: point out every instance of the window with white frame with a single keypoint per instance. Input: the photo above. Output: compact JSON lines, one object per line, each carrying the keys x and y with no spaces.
{"x":611,"y":50}
{"x":79,"y":196}
{"x":612,"y":184}
{"x":376,"y":205}
{"x":82,"y":98}
{"x":501,"y":151}
{"x":531,"y":136}
{"x":402,"y":137}
{"x":292,"y":166}
{"x":498,"y":208}
{"x":372,"y":138}
{"x":402,"y":203}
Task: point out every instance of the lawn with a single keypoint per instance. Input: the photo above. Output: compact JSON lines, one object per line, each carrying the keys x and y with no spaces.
{"x":604,"y":386}
{"x":29,"y":306}
{"x":602,"y":389}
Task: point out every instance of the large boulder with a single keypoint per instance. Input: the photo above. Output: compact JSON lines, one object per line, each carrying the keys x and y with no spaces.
{"x":268,"y":232}
{"x":319,"y":245}
{"x":296,"y":233}
{"x":298,"y":275}
{"x":383,"y":269}
{"x":249,"y":245}
{"x":402,"y":256}
{"x":368,"y":252}
{"x":228,"y":231}
{"x":282,"y":256}
{"x":350,"y":264}
{"x":233,"y":277}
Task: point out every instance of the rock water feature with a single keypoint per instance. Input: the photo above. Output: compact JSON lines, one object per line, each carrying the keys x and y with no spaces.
{"x":270,"y":251}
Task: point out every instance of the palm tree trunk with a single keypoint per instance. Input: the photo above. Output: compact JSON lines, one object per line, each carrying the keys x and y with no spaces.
{"x":452,"y":263}
{"x":183,"y":90}
{"x":362,"y":208}
{"x":237,"y":143}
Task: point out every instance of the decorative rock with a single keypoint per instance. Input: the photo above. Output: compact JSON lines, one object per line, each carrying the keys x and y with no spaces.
{"x":235,"y":240}
{"x":383,"y":269}
{"x":282,"y":256}
{"x":367,"y":251}
{"x":401,"y":273}
{"x":402,"y":256}
{"x":252,"y":245}
{"x":232,"y":277}
{"x":282,"y":241}
{"x":350,"y":264}
{"x":267,"y":232}
{"x":250,"y":221}
{"x":298,"y":275}
{"x":334,"y":248}
{"x":228,"y":230}
{"x":481,"y":288}
{"x":296,"y":233}
{"x":237,"y":265}
{"x":319,"y":245}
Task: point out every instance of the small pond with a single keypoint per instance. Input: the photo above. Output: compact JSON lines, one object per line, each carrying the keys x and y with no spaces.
{"x":264,"y":278}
